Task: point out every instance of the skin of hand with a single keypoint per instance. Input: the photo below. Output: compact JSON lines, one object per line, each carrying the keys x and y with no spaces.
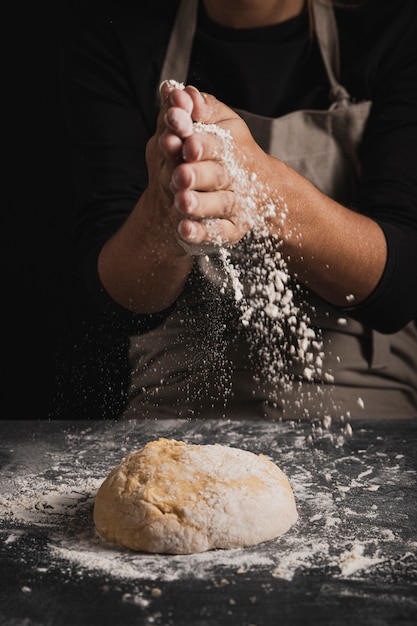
{"x":337,"y":252}
{"x":333,"y":250}
{"x":207,"y":192}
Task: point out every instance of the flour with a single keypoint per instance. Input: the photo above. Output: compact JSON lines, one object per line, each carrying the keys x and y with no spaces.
{"x":354,"y":560}
{"x":279,"y":330}
{"x":67,"y":512}
{"x":258,"y":318}
{"x":345,"y":527}
{"x":174,"y":84}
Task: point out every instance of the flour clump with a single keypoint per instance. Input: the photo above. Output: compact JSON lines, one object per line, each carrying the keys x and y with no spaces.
{"x":177,"y":498}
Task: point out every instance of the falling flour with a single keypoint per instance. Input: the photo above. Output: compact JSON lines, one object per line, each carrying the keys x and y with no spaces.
{"x":256,"y":272}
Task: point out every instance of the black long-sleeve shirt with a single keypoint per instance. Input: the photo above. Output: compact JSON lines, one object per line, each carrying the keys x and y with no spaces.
{"x":111,"y":70}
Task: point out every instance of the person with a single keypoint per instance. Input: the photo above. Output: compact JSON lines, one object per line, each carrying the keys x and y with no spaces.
{"x":246,"y":191}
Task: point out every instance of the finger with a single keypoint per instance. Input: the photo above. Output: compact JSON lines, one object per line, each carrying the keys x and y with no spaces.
{"x":202,"y":146}
{"x":171,"y":146}
{"x":167,"y":87}
{"x":208,"y":232}
{"x":200,"y":176}
{"x":172,"y":95}
{"x":179,"y":121}
{"x":207,"y":109}
{"x":180,"y":98}
{"x":198,"y":205}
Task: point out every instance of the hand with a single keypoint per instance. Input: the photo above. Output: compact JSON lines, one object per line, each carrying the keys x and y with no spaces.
{"x":224,"y":188}
{"x":218,"y":191}
{"x":206,"y":190}
{"x":163,"y":154}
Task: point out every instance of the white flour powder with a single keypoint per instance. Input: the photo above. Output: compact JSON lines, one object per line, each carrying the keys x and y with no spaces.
{"x":344,"y":527}
{"x":257,"y":274}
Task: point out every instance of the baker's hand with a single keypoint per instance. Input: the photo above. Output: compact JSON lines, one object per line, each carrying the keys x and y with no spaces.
{"x":218,"y":191}
{"x":163,"y":154}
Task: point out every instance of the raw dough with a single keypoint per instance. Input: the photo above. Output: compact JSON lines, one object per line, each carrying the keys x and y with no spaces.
{"x":176,"y":498}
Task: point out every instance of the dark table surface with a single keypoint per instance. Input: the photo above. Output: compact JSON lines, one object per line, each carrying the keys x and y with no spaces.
{"x":350,"y":559}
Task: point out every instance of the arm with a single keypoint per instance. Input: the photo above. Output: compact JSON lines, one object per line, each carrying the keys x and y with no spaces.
{"x":143,"y":266}
{"x":113,"y":124}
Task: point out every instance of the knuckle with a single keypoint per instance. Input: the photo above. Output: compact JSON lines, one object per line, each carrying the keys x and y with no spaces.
{"x":222,"y":179}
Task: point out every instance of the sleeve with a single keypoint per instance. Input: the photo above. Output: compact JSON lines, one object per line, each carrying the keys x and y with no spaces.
{"x":109,"y":124}
{"x":388,"y":187}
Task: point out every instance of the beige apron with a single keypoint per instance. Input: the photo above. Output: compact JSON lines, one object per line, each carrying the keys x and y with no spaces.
{"x":199,"y":363}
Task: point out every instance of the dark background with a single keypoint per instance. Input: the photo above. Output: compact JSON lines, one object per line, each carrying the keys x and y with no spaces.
{"x":58,"y":361}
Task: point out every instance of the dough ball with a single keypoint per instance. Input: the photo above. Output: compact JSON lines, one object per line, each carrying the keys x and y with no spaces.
{"x":172,"y":497}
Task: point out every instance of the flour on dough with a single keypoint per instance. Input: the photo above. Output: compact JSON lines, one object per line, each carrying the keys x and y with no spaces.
{"x":177,"y":498}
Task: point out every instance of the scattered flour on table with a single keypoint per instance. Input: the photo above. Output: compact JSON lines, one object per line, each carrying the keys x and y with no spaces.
{"x":334,"y":533}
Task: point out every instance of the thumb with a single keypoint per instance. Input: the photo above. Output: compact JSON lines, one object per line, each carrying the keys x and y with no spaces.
{"x":207,"y":109}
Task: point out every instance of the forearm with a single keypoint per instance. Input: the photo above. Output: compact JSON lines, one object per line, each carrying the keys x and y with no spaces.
{"x":140,"y":268}
{"x":337,"y":252}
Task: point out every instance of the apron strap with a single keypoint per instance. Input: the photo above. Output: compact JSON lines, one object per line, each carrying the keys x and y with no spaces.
{"x":325,"y":28}
{"x":180,"y":43}
{"x":381,"y":350}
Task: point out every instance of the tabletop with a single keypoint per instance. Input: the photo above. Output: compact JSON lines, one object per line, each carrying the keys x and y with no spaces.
{"x":350,"y":559}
